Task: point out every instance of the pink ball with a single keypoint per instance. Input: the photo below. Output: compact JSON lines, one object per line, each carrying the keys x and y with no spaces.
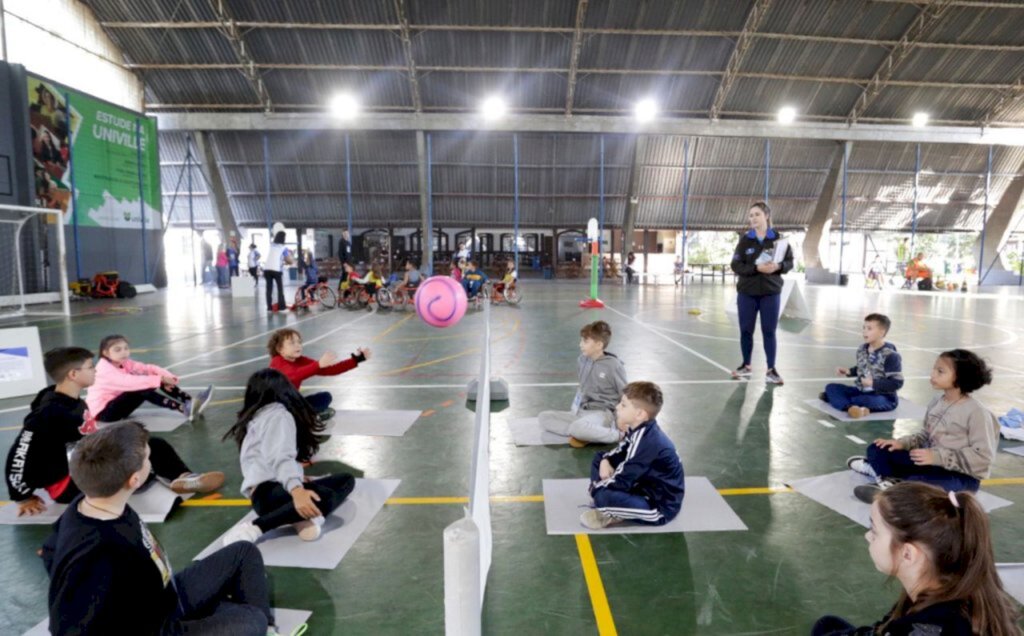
{"x":440,"y":301}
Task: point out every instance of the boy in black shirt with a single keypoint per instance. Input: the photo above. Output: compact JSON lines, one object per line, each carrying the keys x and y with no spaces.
{"x":58,"y":419}
{"x":109,"y":575}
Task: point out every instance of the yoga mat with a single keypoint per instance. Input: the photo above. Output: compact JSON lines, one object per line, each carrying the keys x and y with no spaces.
{"x":835,"y":491}
{"x":906,"y":410}
{"x":283,"y":548}
{"x":1016,"y":450}
{"x":152,"y":503}
{"x":287,"y":621}
{"x":528,"y":432}
{"x":704,"y":510}
{"x":156,"y":420}
{"x":371,"y":422}
{"x":1012,"y":575}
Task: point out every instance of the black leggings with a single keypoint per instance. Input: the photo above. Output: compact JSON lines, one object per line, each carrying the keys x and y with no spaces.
{"x":271,"y":276}
{"x":167,"y":465}
{"x":274,"y":504}
{"x":125,"y":404}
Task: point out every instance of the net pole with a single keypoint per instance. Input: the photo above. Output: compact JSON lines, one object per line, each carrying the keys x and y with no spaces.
{"x":74,"y":197}
{"x":62,"y":266}
{"x":142,"y":197}
{"x":17,"y":262}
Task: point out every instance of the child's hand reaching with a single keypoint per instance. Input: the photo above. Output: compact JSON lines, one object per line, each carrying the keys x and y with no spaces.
{"x":605,"y":469}
{"x":365,"y":352}
{"x":31,"y":506}
{"x":169,"y":380}
{"x":328,"y":359}
{"x":842,"y":372}
{"x":889,"y":444}
{"x":923,"y":456}
{"x":867,"y":381}
{"x":303,"y":500}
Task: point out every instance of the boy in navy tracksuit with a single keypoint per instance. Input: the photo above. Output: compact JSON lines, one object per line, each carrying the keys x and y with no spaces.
{"x":879,"y":373}
{"x":641,"y":480}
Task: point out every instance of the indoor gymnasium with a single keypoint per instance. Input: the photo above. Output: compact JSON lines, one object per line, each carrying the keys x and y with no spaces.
{"x":528,"y":317}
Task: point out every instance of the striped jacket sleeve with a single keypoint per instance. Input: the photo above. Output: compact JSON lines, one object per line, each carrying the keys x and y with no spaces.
{"x":633,"y":466}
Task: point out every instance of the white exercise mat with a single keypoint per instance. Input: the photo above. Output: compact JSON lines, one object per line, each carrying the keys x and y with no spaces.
{"x":288,"y":620}
{"x":1012,"y":575}
{"x":1016,"y":450}
{"x":906,"y":410}
{"x":282,"y":547}
{"x":371,"y":422}
{"x":704,"y":510}
{"x":152,"y":504}
{"x":156,"y":420}
{"x":835,"y":491}
{"x":528,"y":432}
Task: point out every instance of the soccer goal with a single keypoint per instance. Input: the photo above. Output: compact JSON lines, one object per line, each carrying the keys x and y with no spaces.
{"x":33,"y":278}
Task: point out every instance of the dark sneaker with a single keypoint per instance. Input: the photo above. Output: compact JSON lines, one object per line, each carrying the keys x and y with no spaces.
{"x":859,"y":464}
{"x":823,"y":397}
{"x":325,"y":415}
{"x":742,"y":371}
{"x":868,"y":492}
{"x":773,"y":377}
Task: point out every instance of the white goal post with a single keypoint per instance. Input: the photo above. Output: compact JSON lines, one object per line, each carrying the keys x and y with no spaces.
{"x":15,"y":265}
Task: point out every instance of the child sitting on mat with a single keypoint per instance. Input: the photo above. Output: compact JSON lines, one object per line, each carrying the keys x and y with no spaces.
{"x":879,"y":373}
{"x":109,"y":575}
{"x":602,"y":378}
{"x":640,"y":480}
{"x":38,"y":459}
{"x":277,"y":430}
{"x":122,"y":385}
{"x":955,"y":448}
{"x":939,"y":547}
{"x":285,"y":349}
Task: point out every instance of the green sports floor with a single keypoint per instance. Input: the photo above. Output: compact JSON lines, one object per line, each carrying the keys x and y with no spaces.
{"x":797,"y":561}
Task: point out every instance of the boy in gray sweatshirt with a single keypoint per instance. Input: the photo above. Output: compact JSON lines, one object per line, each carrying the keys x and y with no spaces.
{"x":602,"y":379}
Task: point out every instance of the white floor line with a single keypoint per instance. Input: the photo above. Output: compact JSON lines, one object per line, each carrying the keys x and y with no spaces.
{"x":244,"y":340}
{"x":826,"y":424}
{"x":800,"y":410}
{"x":675,"y":342}
{"x":263,"y":358}
{"x":15,"y":408}
{"x":856,"y":440}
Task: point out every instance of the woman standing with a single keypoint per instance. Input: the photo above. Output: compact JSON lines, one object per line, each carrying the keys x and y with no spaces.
{"x":759,"y":285}
{"x":277,"y":257}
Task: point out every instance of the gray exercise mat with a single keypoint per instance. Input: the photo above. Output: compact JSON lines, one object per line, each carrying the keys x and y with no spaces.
{"x":155,"y":419}
{"x":1012,"y":575}
{"x":528,"y":432}
{"x":835,"y":491}
{"x":906,"y":410}
{"x":1016,"y":450}
{"x":288,"y":620}
{"x":704,"y":510}
{"x":152,"y":504}
{"x":282,"y":547}
{"x":371,"y":422}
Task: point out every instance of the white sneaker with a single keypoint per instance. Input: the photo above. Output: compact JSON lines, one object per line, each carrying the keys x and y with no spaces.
{"x":859,"y":464}
{"x":245,"y":531}
{"x":309,"y":529}
{"x":596,"y":520}
{"x":203,"y":400}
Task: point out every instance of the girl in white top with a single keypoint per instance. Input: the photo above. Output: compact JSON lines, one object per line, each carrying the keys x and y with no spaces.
{"x":277,"y":257}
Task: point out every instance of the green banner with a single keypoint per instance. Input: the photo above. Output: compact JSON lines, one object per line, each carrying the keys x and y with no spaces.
{"x":99,"y":139}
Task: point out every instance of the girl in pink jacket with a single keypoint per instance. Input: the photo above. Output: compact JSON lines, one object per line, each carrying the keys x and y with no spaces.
{"x":122,"y":385}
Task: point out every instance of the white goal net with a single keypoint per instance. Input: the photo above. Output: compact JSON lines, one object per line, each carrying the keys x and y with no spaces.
{"x":33,"y":269}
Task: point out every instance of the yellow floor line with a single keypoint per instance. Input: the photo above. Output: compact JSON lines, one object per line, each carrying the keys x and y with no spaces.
{"x":435,"y":501}
{"x":598,"y":599}
{"x":398,"y":324}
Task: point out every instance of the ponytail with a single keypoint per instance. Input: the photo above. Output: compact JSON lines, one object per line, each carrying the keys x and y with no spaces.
{"x":953,"y":530}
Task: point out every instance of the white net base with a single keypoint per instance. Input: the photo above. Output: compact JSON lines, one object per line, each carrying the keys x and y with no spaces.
{"x":33,"y":274}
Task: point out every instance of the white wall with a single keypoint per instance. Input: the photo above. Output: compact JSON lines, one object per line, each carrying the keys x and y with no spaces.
{"x":62,"y":40}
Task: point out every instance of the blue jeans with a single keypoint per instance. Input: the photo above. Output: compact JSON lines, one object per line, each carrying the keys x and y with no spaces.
{"x":472,"y":287}
{"x":843,"y":396}
{"x":748,"y":307}
{"x":320,"y":402}
{"x":898,"y":464}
